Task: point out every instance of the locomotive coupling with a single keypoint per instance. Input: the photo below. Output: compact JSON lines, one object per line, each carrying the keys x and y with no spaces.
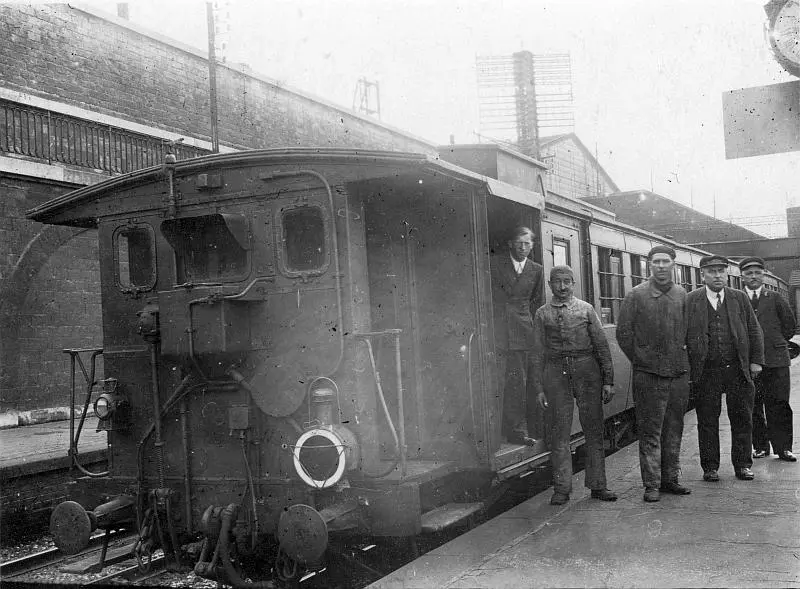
{"x":71,"y":525}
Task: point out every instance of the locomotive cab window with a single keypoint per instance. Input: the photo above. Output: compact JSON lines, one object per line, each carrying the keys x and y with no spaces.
{"x":304,"y":240}
{"x":134,"y":257}
{"x":208,"y":247}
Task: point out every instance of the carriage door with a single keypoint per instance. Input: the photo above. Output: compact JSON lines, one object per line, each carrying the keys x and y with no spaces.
{"x":561,"y":247}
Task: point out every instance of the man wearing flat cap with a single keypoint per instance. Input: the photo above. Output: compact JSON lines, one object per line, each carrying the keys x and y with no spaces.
{"x":651,"y":330}
{"x":726,"y":352}
{"x":571,"y":362}
{"x":772,"y":387}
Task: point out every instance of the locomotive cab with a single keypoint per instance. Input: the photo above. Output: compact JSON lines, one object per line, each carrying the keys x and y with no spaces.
{"x":303,"y":344}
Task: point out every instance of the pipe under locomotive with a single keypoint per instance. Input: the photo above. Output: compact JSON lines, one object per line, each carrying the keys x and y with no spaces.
{"x":267,"y":367}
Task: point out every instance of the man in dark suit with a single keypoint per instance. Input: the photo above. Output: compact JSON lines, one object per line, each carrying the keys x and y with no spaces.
{"x":517,"y":291}
{"x":772,"y":387}
{"x":726,"y":352}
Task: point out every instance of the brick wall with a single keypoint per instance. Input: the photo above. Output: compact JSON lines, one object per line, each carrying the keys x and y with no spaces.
{"x":74,"y":56}
{"x":49,"y":281}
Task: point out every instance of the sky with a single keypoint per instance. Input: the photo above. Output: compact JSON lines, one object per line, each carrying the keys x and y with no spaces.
{"x":648,"y":76}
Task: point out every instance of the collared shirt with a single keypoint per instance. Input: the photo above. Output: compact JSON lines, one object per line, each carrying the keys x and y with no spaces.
{"x":756,"y":292}
{"x":518,"y":266}
{"x":570,"y":328}
{"x":712,"y":297}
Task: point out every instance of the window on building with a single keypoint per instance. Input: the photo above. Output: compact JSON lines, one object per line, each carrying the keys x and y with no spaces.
{"x":208,"y":247}
{"x":135,"y":259}
{"x":640,"y":269}
{"x":561,"y":253}
{"x":304,"y":239}
{"x":612,"y":286}
{"x":685,"y":276}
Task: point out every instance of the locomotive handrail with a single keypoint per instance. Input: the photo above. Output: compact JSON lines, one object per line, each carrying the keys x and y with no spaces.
{"x":400,"y":444}
{"x":74,"y":354}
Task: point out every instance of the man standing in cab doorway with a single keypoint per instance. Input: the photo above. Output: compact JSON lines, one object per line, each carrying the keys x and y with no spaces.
{"x":772,"y":387}
{"x":571,"y":361}
{"x":517,"y":291}
{"x":651,"y":330}
{"x":726,"y":352}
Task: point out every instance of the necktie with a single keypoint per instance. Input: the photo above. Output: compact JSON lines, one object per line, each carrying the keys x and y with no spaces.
{"x":719,"y":302}
{"x":755,"y":297}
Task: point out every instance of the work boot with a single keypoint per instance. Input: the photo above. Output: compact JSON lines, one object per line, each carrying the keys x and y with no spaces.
{"x":603,"y":495}
{"x":559,"y":498}
{"x":651,"y":495}
{"x":675,"y":489}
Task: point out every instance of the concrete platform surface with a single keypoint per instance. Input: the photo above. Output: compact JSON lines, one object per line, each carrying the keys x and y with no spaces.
{"x":35,"y":448}
{"x":727,"y":534}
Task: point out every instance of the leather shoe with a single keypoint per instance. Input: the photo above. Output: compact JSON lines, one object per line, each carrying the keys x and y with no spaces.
{"x":651,"y":495}
{"x":787,"y":456}
{"x":521,"y":440}
{"x":559,"y":498}
{"x":711,"y":476}
{"x":760,"y":453}
{"x":745,"y":474}
{"x":675,"y":489}
{"x":603,"y":495}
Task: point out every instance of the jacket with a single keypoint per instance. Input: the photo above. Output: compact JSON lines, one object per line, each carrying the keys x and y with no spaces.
{"x":651,"y":329}
{"x":746,"y":331}
{"x":777,"y":325}
{"x":515,"y":298}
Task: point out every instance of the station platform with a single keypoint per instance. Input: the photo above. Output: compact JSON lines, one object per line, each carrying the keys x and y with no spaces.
{"x":35,"y":471}
{"x":727,"y":534}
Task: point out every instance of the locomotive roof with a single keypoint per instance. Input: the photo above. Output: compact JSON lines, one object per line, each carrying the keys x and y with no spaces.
{"x":57,"y":210}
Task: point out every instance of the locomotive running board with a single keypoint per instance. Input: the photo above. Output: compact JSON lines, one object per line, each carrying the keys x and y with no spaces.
{"x":531,"y":462}
{"x":448,"y":515}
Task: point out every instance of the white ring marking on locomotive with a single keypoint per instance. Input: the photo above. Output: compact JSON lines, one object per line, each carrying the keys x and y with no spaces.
{"x":337,"y":442}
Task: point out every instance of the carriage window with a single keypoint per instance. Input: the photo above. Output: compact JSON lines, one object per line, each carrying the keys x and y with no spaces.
{"x":208,"y":247}
{"x":304,"y":239}
{"x":734,"y":281}
{"x":612,"y":287}
{"x":134,"y":254}
{"x":640,"y":269}
{"x":561,"y":252}
{"x":698,"y":277}
{"x":684,"y":276}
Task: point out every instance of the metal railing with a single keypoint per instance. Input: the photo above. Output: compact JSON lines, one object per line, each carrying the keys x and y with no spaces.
{"x":53,"y":137}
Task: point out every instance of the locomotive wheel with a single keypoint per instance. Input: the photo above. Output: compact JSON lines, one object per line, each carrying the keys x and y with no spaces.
{"x":70,"y":527}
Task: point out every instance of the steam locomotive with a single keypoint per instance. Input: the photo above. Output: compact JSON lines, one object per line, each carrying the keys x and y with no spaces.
{"x":299,"y":344}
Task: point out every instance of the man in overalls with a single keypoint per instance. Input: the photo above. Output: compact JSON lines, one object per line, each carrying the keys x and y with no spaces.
{"x":571,"y":361}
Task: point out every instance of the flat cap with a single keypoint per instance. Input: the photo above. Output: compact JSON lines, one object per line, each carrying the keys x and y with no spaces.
{"x":561,"y":270}
{"x":751,"y":261}
{"x":714,"y":260}
{"x":661,"y":249}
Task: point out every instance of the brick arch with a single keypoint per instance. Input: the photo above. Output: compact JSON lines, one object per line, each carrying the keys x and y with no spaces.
{"x":15,"y":288}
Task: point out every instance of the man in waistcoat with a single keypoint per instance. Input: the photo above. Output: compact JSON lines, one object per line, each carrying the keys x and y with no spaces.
{"x":726,"y":352}
{"x":772,"y":387}
{"x":571,"y":362}
{"x":651,"y":330}
{"x":517,"y":291}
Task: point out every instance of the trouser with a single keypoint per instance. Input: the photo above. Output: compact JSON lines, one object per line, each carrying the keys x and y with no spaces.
{"x":772,"y":414}
{"x":739,"y":394}
{"x":517,"y":410}
{"x":566,"y":381}
{"x":660,"y":407}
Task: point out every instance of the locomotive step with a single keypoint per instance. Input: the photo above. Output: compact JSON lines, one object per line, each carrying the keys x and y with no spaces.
{"x":89,"y":564}
{"x":447,"y":515}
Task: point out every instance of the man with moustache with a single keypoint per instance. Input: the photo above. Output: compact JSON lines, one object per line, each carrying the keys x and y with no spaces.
{"x":772,"y":387}
{"x":571,"y":360}
{"x":517,"y":291}
{"x":651,"y":331}
{"x":726,"y":352}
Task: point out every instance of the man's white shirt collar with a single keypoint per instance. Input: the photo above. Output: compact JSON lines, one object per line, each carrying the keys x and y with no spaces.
{"x":750,"y":292}
{"x":712,"y":297}
{"x":518,"y":266}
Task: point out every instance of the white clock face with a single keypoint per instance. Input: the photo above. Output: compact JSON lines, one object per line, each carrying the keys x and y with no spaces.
{"x":786,"y":32}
